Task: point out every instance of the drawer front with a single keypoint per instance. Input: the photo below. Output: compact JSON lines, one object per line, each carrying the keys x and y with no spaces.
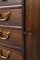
{"x":9,"y":2}
{"x":11,"y":17}
{"x":9,"y":54}
{"x":11,"y":37}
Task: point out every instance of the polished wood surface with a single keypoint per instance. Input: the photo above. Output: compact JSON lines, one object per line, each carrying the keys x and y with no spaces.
{"x":15,"y":17}
{"x":32,"y":26}
{"x":17,"y":55}
{"x":10,"y":2}
{"x":13,"y":41}
{"x":15,"y":38}
{"x":33,"y":29}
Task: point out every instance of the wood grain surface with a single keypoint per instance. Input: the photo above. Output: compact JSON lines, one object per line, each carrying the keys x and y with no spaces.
{"x":15,"y":39}
{"x":15,"y":18}
{"x":33,"y":29}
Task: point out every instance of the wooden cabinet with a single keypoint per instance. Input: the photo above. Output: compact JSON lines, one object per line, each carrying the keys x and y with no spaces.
{"x":20,"y":29}
{"x":11,"y":30}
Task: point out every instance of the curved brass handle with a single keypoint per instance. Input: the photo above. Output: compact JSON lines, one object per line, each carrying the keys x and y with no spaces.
{"x":4,"y":16}
{"x":5,"y":57}
{"x":4,"y":38}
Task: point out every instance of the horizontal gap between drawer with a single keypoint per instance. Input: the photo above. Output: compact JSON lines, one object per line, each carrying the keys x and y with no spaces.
{"x":14,"y":27}
{"x":11,"y":6}
{"x":11,"y":47}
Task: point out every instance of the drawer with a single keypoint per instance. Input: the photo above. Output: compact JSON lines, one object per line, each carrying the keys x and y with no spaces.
{"x":12,"y":37}
{"x":9,"y":54}
{"x":9,"y":2}
{"x":12,"y":17}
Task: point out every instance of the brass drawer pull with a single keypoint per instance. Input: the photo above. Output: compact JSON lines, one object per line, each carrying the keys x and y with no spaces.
{"x":4,"y":16}
{"x":5,"y":57}
{"x":4,"y":38}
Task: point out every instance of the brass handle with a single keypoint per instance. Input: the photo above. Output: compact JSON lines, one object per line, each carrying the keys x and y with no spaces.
{"x":4,"y":16}
{"x":5,"y":57}
{"x":4,"y":38}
